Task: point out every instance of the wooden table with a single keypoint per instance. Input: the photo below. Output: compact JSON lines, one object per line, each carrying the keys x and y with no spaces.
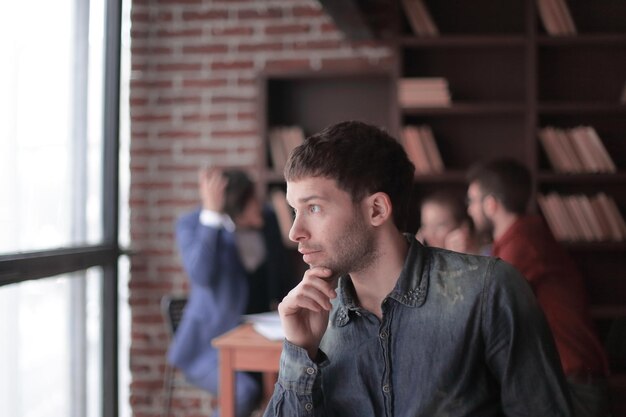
{"x":243,"y":349}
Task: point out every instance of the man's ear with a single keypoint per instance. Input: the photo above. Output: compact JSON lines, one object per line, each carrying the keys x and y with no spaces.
{"x":490,"y":205}
{"x":379,"y":208}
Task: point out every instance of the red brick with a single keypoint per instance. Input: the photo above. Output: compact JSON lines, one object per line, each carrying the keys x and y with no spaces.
{"x":284,"y":64}
{"x":256,"y":14}
{"x":231,"y":100}
{"x":179,"y":134}
{"x":179,"y":100}
{"x":318,"y":44}
{"x":205,"y":49}
{"x":179,"y":2}
{"x":260,"y":47}
{"x":233,"y":31}
{"x":178,"y":67}
{"x":181,"y":33}
{"x":197,"y":117}
{"x":246,"y":116}
{"x":151,"y":117}
{"x":232,"y":134}
{"x":233,"y":65}
{"x":307,"y":11}
{"x":205,"y":15}
{"x":142,"y":83}
{"x":287,"y":29}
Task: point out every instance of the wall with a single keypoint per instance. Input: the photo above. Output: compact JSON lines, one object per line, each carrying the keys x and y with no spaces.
{"x":193,"y":102}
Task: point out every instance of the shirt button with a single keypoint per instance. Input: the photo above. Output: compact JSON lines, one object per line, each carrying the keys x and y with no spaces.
{"x":383,"y":335}
{"x":310,"y":371}
{"x":386,"y":388}
{"x":308,"y":406}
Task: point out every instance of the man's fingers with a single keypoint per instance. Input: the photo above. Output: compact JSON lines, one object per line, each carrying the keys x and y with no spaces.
{"x":305,"y":296}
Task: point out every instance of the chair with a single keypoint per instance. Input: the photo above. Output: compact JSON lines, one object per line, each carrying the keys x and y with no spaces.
{"x":172,"y":308}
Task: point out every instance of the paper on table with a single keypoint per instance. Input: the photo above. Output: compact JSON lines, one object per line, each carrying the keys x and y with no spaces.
{"x":266,"y":324}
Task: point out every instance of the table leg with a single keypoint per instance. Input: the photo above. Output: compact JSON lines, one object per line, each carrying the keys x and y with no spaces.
{"x":227,"y":384}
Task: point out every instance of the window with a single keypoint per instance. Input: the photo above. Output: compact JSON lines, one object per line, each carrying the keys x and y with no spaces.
{"x":59,"y":118}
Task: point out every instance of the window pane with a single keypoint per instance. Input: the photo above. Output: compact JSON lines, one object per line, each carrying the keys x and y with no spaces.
{"x":50,"y":123}
{"x":50,"y":349}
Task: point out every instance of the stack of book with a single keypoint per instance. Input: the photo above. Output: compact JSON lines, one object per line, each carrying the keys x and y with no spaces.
{"x":423,"y":92}
{"x":419,"y":143}
{"x":576,"y":150}
{"x":282,"y":140}
{"x":556,"y":17}
{"x":582,"y":218}
{"x":419,"y":18}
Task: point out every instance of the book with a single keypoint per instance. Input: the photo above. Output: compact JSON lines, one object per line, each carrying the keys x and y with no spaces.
{"x":423,"y":92}
{"x":583,"y":148}
{"x":556,"y":17}
{"x":609,"y":232}
{"x":548,"y":17}
{"x":432,"y":151}
{"x":415,"y":149}
{"x":552,"y":149}
{"x":613,"y":216}
{"x":282,"y":140}
{"x":266,"y":324}
{"x":583,"y":228}
{"x":569,"y":28}
{"x":420,"y":20}
{"x":549,"y":213}
{"x":597,"y":148}
{"x":592,"y":219}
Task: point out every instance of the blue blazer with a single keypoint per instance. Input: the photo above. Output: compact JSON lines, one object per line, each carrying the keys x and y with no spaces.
{"x":219,"y":288}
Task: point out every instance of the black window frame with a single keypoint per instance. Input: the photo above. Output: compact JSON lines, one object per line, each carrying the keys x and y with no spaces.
{"x":28,"y":266}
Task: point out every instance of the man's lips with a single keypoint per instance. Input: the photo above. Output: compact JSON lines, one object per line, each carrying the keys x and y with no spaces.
{"x":307,"y":252}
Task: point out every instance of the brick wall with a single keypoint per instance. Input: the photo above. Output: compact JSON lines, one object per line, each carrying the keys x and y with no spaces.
{"x":192,"y":102}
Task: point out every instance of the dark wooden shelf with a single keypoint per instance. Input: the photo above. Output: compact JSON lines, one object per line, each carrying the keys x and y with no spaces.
{"x":602,"y":39}
{"x":568,"y":107}
{"x":547,"y":177}
{"x":446,"y":41}
{"x":595,"y":246}
{"x":467,"y":108}
{"x":447,"y":177}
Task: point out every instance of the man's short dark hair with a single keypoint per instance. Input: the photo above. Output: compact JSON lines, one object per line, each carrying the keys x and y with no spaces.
{"x":506,"y":179}
{"x":238,"y":192}
{"x":362,"y":159}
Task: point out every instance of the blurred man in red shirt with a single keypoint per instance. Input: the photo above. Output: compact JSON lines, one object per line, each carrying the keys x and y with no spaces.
{"x":498,"y":195}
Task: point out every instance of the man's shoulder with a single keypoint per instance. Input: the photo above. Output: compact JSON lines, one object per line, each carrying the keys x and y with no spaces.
{"x":189,"y":218}
{"x":473,"y":269}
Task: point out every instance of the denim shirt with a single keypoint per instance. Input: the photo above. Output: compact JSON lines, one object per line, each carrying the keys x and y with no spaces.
{"x":460,"y":335}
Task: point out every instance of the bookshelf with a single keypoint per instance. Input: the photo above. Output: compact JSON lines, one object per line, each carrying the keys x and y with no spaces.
{"x":508,"y":78}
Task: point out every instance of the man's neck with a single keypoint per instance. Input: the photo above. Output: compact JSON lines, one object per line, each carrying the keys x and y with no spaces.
{"x":502,"y":224}
{"x":373,"y":284}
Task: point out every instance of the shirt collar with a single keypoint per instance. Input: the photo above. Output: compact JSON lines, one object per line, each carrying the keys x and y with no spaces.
{"x":410,"y":289}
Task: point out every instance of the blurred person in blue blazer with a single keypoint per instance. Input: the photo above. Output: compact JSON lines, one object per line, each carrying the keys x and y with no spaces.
{"x":233,"y":254}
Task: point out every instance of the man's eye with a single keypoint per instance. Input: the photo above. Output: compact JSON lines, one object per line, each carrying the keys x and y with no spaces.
{"x":314,"y":209}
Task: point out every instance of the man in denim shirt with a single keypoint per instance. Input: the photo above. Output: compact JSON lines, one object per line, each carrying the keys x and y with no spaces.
{"x":383,"y":326}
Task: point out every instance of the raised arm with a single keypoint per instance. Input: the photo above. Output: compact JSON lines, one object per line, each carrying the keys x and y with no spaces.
{"x":304,"y":315}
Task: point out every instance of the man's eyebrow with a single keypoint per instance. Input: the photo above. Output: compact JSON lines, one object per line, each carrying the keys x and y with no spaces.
{"x":304,"y":200}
